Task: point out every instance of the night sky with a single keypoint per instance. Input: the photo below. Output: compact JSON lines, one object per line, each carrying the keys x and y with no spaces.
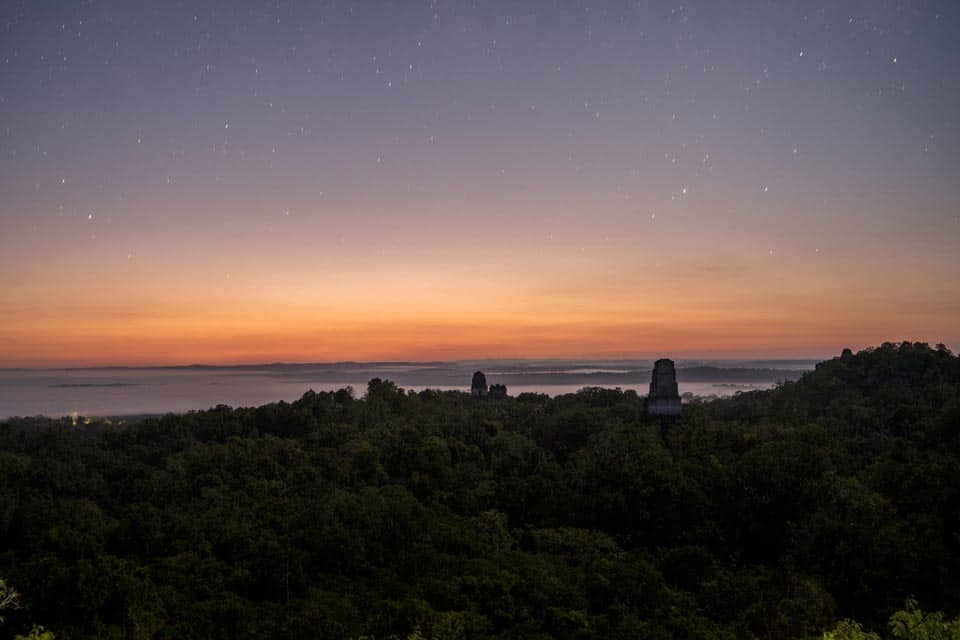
{"x":242,"y":181}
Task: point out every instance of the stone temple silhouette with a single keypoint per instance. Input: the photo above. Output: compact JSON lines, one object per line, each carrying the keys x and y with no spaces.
{"x":664,"y":397}
{"x":478,"y":388}
{"x":497,"y":391}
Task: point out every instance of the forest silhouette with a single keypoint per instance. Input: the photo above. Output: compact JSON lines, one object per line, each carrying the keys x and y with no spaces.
{"x":786,"y":513}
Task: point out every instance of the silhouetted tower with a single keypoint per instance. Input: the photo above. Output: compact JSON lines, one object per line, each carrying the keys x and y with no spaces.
{"x":478,"y":388}
{"x":664,"y":397}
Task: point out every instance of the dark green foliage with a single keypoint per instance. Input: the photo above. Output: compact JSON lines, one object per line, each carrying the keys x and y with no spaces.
{"x":768,"y":515}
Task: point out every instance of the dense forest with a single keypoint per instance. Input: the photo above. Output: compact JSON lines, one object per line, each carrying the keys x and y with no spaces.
{"x":772,"y":514}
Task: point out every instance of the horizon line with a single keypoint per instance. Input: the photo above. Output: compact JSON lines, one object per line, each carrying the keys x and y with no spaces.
{"x":240,"y":365}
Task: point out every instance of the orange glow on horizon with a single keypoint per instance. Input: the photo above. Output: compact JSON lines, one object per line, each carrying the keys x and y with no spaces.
{"x":238,"y":334}
{"x":706,"y":294}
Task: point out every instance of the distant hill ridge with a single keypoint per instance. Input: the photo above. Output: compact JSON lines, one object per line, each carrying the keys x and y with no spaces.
{"x":883,"y":384}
